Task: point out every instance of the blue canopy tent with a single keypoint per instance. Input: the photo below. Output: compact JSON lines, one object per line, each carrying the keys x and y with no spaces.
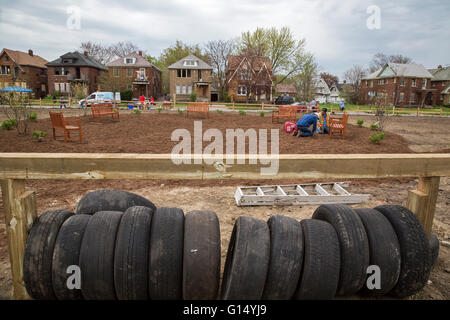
{"x":15,"y":89}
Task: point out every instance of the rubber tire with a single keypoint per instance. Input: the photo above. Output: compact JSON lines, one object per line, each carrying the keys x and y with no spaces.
{"x":353,"y":243}
{"x":38,"y":256}
{"x":201,"y":256}
{"x":67,"y":253}
{"x":321,"y":264}
{"x":166,"y":254}
{"x":110,"y":200}
{"x":384,"y":250}
{"x":97,"y":256}
{"x":247,"y":260}
{"x":286,"y":258}
{"x":131,"y":255}
{"x":434,"y":248}
{"x":414,"y":249}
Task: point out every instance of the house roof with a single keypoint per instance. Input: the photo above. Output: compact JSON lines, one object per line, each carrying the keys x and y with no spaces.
{"x":79,"y":60}
{"x":235,"y":61}
{"x":411,"y":70}
{"x":24,"y":59}
{"x":285,"y":88}
{"x":200,"y":63}
{"x":440,"y":74}
{"x":141,"y":62}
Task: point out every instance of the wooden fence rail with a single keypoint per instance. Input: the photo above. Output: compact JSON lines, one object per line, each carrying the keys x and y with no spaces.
{"x":20,"y":205}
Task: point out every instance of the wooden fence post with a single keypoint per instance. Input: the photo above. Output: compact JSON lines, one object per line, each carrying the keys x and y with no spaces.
{"x":393,"y":110}
{"x":417,"y":113}
{"x":262,"y":106}
{"x":233,"y":105}
{"x":423,"y":201}
{"x":174,"y":100}
{"x":40,"y":103}
{"x":20,"y":212}
{"x":441,"y":112}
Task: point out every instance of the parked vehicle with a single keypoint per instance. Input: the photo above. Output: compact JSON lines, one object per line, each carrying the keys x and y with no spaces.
{"x":97,"y":97}
{"x":284,"y":100}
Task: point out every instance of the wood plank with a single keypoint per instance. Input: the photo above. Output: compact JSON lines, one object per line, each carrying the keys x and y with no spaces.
{"x":15,"y":205}
{"x":161,"y":166}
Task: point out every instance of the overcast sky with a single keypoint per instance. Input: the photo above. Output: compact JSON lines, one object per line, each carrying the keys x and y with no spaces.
{"x":335,"y":30}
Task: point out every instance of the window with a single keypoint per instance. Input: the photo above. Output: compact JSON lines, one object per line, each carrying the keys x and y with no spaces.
{"x":244,"y":76}
{"x":242,"y":91}
{"x":61,"y":87}
{"x":412,"y":97}
{"x":402,"y":81}
{"x":183,"y":73}
{"x":190,"y":63}
{"x":129,"y":72}
{"x":56,"y":86}
{"x":183,"y":89}
{"x":188,"y":73}
{"x":67,"y":87}
{"x":381,"y":81}
{"x":116,"y":72}
{"x":129,"y":60}
{"x":402,"y":97}
{"x":371,"y":83}
{"x":413,"y":82}
{"x":6,"y":70}
{"x":424,"y":83}
{"x":179,"y":73}
{"x":178,"y":89}
{"x":67,"y":61}
{"x":189,"y":89}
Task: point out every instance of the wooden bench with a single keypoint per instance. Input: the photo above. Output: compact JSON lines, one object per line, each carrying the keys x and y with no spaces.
{"x":198,"y":107}
{"x":61,"y":123}
{"x":289,"y":112}
{"x":104,"y":109}
{"x":337,"y":126}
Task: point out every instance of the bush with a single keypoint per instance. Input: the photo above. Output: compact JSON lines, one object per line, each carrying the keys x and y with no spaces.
{"x":219,"y":111}
{"x":242,"y":112}
{"x":7,"y":125}
{"x":377,"y":137}
{"x":137,"y":111}
{"x":193,"y":97}
{"x":374,"y":126}
{"x":226,"y":97}
{"x":261,"y":113}
{"x":159,"y":109}
{"x":57,"y":94}
{"x":32,"y":116}
{"x":360,"y":122}
{"x":126,"y":95}
{"x":39,"y":135}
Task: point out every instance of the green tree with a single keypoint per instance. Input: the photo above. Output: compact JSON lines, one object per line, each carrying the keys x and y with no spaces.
{"x":304,"y":79}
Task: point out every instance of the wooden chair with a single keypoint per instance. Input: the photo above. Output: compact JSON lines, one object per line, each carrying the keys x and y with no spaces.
{"x":104,"y":109}
{"x":198,"y":107}
{"x":337,"y":126}
{"x":289,"y":112}
{"x":61,"y":123}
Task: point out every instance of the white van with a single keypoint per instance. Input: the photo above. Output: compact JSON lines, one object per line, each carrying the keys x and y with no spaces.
{"x":97,"y":97}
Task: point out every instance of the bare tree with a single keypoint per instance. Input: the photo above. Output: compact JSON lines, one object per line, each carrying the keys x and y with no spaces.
{"x":105,"y":54}
{"x":352,"y":89}
{"x":380,"y":59}
{"x":304,"y":79}
{"x":218,"y":51}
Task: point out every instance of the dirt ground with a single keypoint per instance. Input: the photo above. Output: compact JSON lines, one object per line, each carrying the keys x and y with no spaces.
{"x":151,"y":133}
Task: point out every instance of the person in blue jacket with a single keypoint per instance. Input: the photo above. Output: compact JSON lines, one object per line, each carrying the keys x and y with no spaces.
{"x":304,"y":124}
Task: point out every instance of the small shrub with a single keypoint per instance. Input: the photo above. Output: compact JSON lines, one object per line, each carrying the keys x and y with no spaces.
{"x":32,"y":116}
{"x":261,"y":113}
{"x":377,"y":137}
{"x":193,"y":97}
{"x":360,"y":123}
{"x":159,"y":109}
{"x":7,"y":125}
{"x":374,"y":126}
{"x":137,"y":111}
{"x":39,"y":135}
{"x":219,"y":111}
{"x":126,"y":95}
{"x":242,"y":112}
{"x":57,"y":94}
{"x":179,"y":111}
{"x":13,"y":122}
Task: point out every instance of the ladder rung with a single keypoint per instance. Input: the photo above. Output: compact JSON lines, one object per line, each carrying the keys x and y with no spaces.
{"x":259,"y":191}
{"x":340,"y":190}
{"x":321,"y":190}
{"x":301,"y":191}
{"x":281,"y":191}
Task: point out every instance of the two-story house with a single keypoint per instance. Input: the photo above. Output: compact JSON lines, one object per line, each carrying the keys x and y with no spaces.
{"x":134,"y":72}
{"x":441,"y":83}
{"x":321,"y":91}
{"x":190,"y":75}
{"x":71,"y":68}
{"x":249,"y":78}
{"x":21,"y":69}
{"x":399,"y":84}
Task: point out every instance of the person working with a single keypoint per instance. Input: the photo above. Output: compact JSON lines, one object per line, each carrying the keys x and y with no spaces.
{"x":304,"y":123}
{"x":323,"y":120}
{"x":342,"y":105}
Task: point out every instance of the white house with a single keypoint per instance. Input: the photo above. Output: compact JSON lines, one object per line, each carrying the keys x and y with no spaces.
{"x":322,"y":92}
{"x":335,"y":90}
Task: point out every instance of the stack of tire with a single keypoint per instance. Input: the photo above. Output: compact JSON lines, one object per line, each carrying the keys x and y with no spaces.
{"x":127,"y":249}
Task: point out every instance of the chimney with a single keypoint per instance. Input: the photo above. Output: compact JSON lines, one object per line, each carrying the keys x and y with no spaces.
{"x":140,"y":53}
{"x":85,"y":53}
{"x":439,"y":67}
{"x":345,"y":81}
{"x":30,"y":52}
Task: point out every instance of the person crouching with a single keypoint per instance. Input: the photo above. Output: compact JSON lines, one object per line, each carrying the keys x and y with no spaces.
{"x":304,"y":124}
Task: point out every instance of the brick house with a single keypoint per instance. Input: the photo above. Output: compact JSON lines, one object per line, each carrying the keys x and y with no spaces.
{"x":21,"y":69}
{"x":72,"y":68}
{"x":249,"y":78}
{"x":405,"y":85}
{"x":135,"y":73}
{"x":190,"y":75}
{"x":286,"y":90}
{"x":441,"y":83}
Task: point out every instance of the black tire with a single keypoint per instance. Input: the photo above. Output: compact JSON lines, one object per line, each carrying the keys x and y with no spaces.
{"x":38,"y":257}
{"x":321,"y":265}
{"x":131,"y":255}
{"x":414,"y":250}
{"x":384,"y":250}
{"x":353,"y":243}
{"x":201,"y":256}
{"x":67,"y":253}
{"x":166,"y":254}
{"x":110,"y":200}
{"x":247,"y":260}
{"x":286,"y":258}
{"x":434,"y":248}
{"x":97,"y":256}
